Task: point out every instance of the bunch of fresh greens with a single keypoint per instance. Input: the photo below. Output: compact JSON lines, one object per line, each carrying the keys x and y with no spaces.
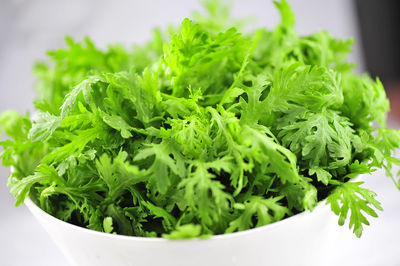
{"x":206,"y":131}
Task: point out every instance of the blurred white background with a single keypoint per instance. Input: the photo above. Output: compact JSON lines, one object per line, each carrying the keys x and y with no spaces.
{"x":29,"y":28}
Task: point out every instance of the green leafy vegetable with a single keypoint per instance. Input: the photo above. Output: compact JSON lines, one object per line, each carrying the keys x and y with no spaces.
{"x":347,"y":197}
{"x":107,"y":224}
{"x":186,"y":231}
{"x":207,"y":131}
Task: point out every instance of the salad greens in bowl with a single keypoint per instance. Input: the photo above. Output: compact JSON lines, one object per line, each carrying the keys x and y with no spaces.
{"x":205,"y":130}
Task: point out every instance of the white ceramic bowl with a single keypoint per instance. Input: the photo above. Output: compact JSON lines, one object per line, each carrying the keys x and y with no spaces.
{"x":303,"y":239}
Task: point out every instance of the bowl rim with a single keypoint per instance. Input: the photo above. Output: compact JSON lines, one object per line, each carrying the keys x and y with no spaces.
{"x":36,"y":209}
